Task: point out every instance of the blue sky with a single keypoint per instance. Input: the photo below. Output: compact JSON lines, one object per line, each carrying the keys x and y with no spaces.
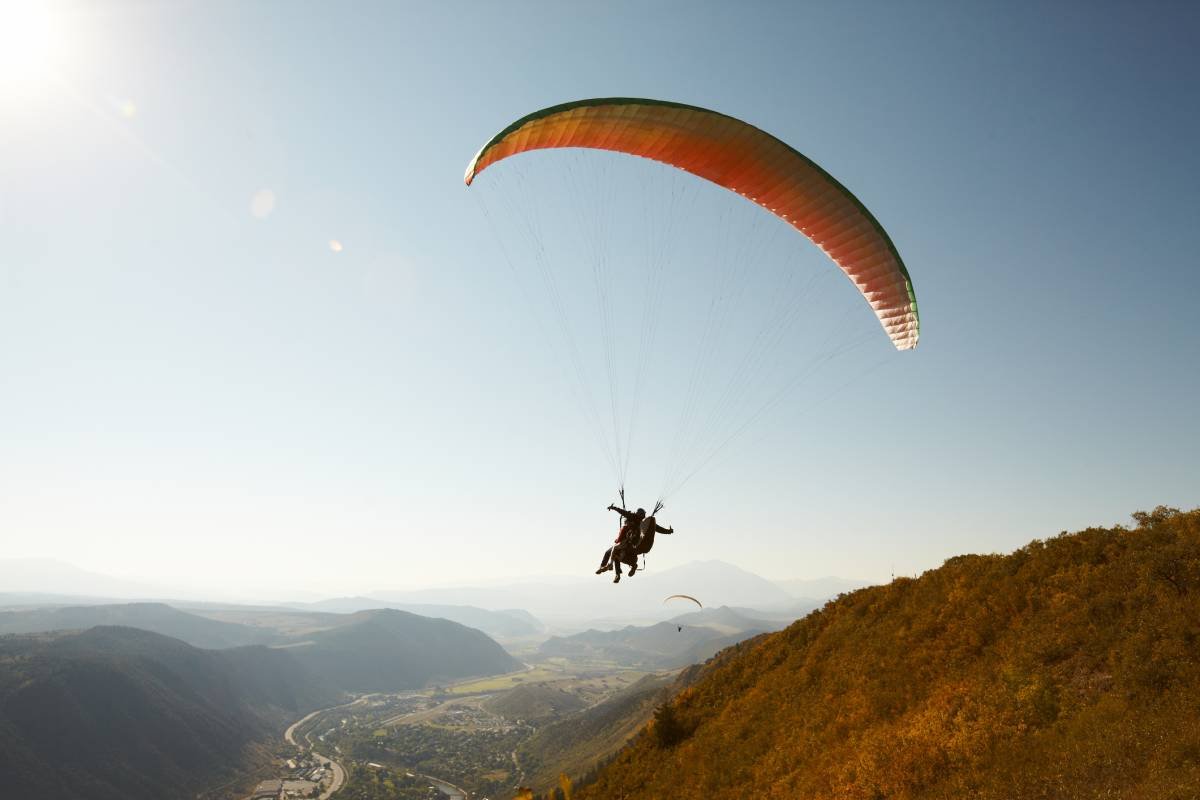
{"x":192,"y":392}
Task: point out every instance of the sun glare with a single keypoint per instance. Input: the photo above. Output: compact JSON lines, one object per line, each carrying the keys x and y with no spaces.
{"x":30,"y":45}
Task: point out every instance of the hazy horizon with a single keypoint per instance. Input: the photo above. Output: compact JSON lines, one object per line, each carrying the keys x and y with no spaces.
{"x":134,"y":587}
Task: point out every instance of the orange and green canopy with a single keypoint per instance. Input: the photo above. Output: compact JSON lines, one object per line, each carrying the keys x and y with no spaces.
{"x":743,"y":159}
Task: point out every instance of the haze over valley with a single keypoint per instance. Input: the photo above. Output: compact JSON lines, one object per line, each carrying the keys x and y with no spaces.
{"x":418,"y":672}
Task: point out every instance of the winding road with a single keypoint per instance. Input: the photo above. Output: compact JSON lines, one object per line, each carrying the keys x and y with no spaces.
{"x":339,"y":774}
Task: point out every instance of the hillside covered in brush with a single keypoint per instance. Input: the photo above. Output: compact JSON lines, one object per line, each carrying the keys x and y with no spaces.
{"x":118,"y":713}
{"x":1068,"y":669}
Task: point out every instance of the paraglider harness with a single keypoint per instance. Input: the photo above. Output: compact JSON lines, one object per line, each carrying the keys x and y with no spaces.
{"x":635,"y":543}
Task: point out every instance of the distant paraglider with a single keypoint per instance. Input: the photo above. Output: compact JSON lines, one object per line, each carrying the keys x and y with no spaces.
{"x":679,"y":628}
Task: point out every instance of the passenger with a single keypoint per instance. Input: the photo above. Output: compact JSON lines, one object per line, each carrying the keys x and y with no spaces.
{"x":625,"y":543}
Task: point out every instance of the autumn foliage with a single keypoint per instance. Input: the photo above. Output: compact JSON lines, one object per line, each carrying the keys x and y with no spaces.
{"x":1068,"y":669}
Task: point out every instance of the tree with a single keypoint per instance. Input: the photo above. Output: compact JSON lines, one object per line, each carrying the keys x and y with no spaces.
{"x":667,"y":729}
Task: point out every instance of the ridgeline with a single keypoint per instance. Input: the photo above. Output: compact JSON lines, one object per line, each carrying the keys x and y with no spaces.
{"x":1068,"y":669}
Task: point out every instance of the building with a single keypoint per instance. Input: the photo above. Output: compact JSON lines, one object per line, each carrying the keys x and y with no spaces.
{"x":267,"y":790}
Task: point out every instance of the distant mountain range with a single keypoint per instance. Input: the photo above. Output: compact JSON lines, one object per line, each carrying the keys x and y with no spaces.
{"x":377,"y":650}
{"x":508,"y":611}
{"x":687,"y":639}
{"x":47,"y":575}
{"x":594,"y":597}
{"x":117,"y":713}
{"x":156,"y":617}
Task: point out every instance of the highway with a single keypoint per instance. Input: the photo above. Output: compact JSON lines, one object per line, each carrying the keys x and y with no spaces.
{"x":339,"y":774}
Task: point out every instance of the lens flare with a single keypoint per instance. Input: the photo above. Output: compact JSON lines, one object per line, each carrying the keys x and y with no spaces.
{"x":263,"y":203}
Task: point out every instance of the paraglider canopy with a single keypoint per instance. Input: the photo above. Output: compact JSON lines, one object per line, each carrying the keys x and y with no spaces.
{"x":744,"y":159}
{"x":684,"y":597}
{"x":668,"y":224}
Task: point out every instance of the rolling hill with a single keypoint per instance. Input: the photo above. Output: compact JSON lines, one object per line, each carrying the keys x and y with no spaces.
{"x":388,"y":650}
{"x":1068,"y":669}
{"x":503,"y":624}
{"x":534,"y":703}
{"x":725,"y":620}
{"x":123,"y":714}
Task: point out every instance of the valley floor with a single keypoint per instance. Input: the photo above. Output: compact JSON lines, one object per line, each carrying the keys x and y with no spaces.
{"x":458,"y":741}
